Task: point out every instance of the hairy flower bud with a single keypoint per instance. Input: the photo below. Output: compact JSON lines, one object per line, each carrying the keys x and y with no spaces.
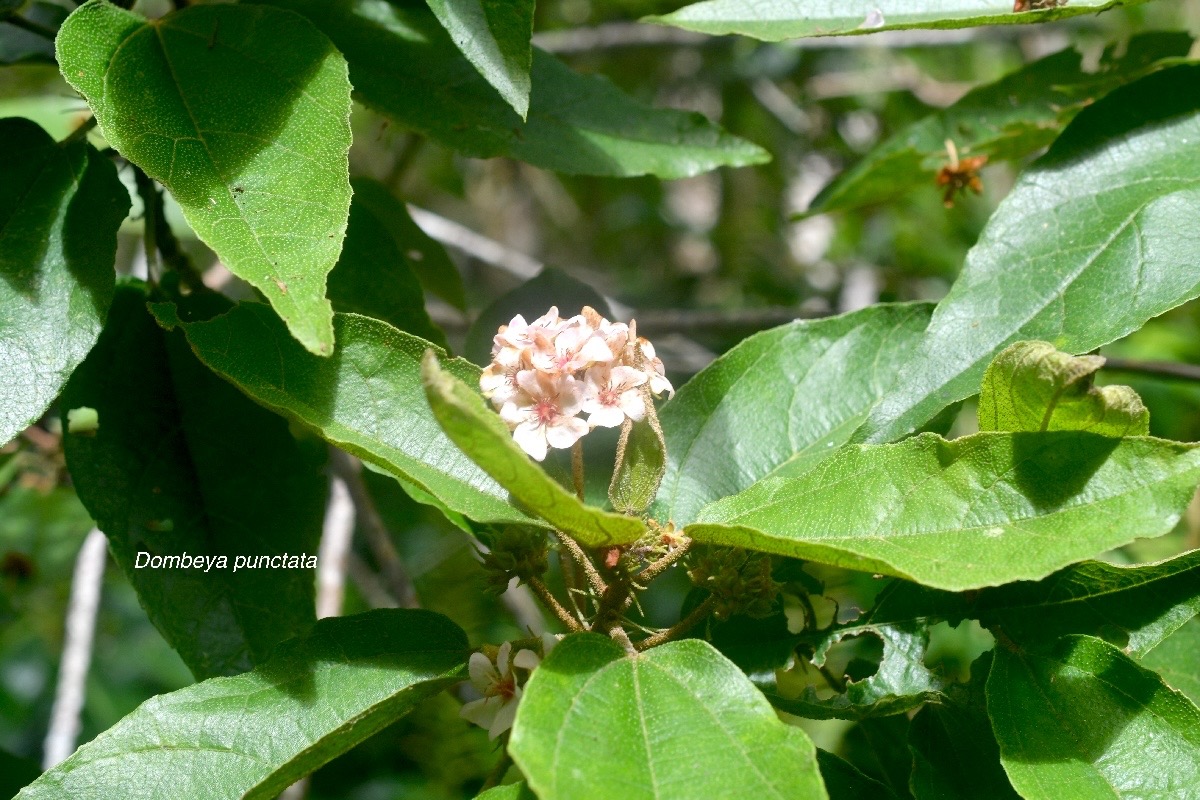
{"x":740,"y":581}
{"x":516,"y":552}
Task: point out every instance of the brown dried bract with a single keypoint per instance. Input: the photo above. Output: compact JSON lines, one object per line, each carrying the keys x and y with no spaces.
{"x":1035,"y":5}
{"x":960,"y":175}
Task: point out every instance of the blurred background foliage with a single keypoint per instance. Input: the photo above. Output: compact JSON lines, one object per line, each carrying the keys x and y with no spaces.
{"x":701,"y":262}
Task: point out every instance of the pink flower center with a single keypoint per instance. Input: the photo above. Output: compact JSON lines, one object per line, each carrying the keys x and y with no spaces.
{"x":563,"y":361}
{"x":610,"y":396}
{"x":505,"y":688}
{"x":545,"y":411}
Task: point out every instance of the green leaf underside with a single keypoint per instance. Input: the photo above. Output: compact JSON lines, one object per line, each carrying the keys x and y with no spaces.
{"x":374,"y":278}
{"x":596,"y":723}
{"x":901,"y":684}
{"x":978,"y":511}
{"x":243,"y":113}
{"x":426,"y":258}
{"x":367,"y":398}
{"x":577,"y":124}
{"x":479,"y":432}
{"x":776,"y":20}
{"x":59,"y":214}
{"x":1135,"y":607}
{"x":955,"y":755}
{"x":183,"y":463}
{"x":1095,"y":239}
{"x":1083,"y":720}
{"x":843,"y":780}
{"x":1006,"y":120}
{"x":1175,"y":659}
{"x":1032,"y":386}
{"x":495,"y":37}
{"x":252,"y":735}
{"x":822,"y":378}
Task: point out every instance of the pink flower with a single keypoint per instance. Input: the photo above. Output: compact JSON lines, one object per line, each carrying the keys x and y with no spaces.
{"x":611,"y":394}
{"x":518,"y":335}
{"x":543,"y":412}
{"x":575,"y":347}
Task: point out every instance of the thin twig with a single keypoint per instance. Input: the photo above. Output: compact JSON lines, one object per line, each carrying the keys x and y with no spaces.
{"x":618,"y":633}
{"x":697,"y":615}
{"x":81,"y":131}
{"x":378,"y":539}
{"x":366,"y":580}
{"x":332,"y":557}
{"x":551,"y":602}
{"x":835,"y":683}
{"x":489,"y":251}
{"x":658,"y":567}
{"x":1172,"y":370}
{"x":69,"y":694}
{"x":159,"y":238}
{"x":31,"y":26}
{"x":581,"y":558}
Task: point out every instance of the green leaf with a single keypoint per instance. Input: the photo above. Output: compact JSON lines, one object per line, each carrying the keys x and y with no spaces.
{"x":479,"y":432}
{"x":373,"y":277}
{"x":243,"y":113}
{"x":366,"y":399}
{"x":1175,"y":659}
{"x":182,"y":463}
{"x":60,"y":208}
{"x":509,"y":791}
{"x":776,"y":20}
{"x":1134,"y":607}
{"x":532,"y":299}
{"x":955,"y":755}
{"x":1032,"y":386}
{"x":404,"y":65}
{"x":781,"y":400}
{"x":595,"y":722}
{"x":901,"y":683}
{"x":641,"y":462}
{"x":978,"y":511}
{"x":1012,"y":118}
{"x":843,"y":781}
{"x":1081,"y":719}
{"x":252,"y":735}
{"x":426,"y":258}
{"x":495,"y":37}
{"x":1094,"y":239}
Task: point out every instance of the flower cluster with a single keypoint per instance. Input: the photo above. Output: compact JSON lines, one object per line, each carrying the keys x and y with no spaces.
{"x":495,"y":679}
{"x":545,"y":373}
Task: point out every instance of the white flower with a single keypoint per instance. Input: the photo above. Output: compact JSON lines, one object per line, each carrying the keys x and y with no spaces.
{"x":611,"y":394}
{"x":654,"y":369}
{"x":498,"y":685}
{"x":575,"y":347}
{"x":498,"y":381}
{"x":543,"y":412}
{"x":519,"y":335}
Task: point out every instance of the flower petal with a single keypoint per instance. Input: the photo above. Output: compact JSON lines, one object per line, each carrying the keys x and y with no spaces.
{"x":526,"y":659}
{"x":483,"y":672}
{"x":482,"y":712}
{"x":565,"y":431}
{"x":504,"y":717}
{"x":532,"y":439}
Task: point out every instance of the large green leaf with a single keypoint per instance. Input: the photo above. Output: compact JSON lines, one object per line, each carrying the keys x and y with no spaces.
{"x":783,"y":397}
{"x":1176,"y":659}
{"x":183,"y":463}
{"x":776,"y":20}
{"x":479,"y":432}
{"x":900,"y":684}
{"x":495,"y":37}
{"x":60,"y":207}
{"x":427,"y":259}
{"x":373,"y":277}
{"x":1135,"y":607}
{"x":978,"y":511}
{"x":1033,"y":386}
{"x":1009,"y":119}
{"x":678,"y":721}
{"x":1081,"y":719}
{"x":955,"y":755}
{"x":243,"y":112}
{"x":1095,"y":238}
{"x":403,"y":64}
{"x":367,"y":398}
{"x":252,"y":735}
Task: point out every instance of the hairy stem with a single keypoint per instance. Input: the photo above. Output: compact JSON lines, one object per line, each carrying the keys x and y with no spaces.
{"x":551,"y":602}
{"x":577,"y":468}
{"x":582,"y":560}
{"x":1157,"y":369}
{"x":697,"y":615}
{"x":659,"y":567}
